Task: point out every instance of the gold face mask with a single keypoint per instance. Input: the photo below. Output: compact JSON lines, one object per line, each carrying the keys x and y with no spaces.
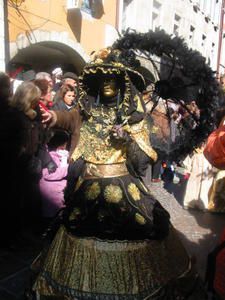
{"x":109,"y":88}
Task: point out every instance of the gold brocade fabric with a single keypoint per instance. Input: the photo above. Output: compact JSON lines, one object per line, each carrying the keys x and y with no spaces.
{"x":94,"y":171}
{"x":110,"y":269}
{"x":140,"y":134}
{"x":96,"y":144}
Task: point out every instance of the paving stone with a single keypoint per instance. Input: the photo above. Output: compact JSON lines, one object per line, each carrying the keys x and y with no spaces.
{"x":198,"y":230}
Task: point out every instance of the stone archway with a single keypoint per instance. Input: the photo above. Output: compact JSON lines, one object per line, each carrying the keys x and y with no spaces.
{"x":50,"y":49}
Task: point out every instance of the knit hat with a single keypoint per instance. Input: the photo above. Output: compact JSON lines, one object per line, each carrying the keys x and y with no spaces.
{"x":29,"y":75}
{"x":70,"y":75}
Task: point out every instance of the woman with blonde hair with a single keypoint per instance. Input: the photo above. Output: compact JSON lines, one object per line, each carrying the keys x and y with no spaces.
{"x":26,"y":99}
{"x":25,"y":106}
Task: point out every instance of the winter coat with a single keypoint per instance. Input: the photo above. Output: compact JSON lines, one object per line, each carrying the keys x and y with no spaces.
{"x":52,"y":184}
{"x":60,"y":105}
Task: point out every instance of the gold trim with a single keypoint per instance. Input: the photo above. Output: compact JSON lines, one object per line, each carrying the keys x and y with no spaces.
{"x":90,"y":70}
{"x":140,"y":134}
{"x":94,"y":171}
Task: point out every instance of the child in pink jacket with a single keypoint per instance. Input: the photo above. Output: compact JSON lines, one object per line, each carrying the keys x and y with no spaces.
{"x":52,"y":185}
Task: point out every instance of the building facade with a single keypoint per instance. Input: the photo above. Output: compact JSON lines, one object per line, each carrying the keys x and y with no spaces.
{"x":197,"y":21}
{"x":47,"y":33}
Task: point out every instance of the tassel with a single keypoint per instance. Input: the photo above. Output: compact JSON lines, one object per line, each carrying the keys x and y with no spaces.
{"x":118,"y":100}
{"x":97,"y":100}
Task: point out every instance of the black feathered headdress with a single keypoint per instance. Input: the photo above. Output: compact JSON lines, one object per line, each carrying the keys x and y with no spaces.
{"x":183,"y":76}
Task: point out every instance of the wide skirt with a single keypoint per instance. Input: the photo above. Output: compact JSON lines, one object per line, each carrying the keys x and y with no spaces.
{"x":90,"y":268}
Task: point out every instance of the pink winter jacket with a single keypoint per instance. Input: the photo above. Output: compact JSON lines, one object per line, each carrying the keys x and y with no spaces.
{"x":52,"y":184}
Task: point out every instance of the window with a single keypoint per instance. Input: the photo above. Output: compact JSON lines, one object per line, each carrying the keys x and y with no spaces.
{"x":72,"y":3}
{"x":156,"y":4}
{"x":127,"y":2}
{"x":177,"y":18}
{"x":86,"y":6}
{"x":196,"y":5}
{"x":83,"y":4}
{"x":176,"y":25}
{"x":192,"y":32}
{"x":155,"y":18}
{"x":92,"y":7}
{"x":176,"y":30}
{"x":156,"y":14}
{"x":203,"y":40}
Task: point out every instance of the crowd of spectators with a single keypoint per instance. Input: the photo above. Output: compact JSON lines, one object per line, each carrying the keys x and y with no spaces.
{"x":32,"y":156}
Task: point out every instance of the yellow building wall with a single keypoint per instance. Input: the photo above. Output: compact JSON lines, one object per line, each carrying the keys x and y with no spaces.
{"x":93,"y":31}
{"x":51,"y":15}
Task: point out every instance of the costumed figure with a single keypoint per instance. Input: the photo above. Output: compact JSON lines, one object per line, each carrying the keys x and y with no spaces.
{"x":200,"y":180}
{"x":115,"y":240}
{"x":215,"y":153}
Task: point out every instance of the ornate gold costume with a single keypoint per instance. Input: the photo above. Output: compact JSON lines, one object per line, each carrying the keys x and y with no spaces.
{"x":97,"y":147}
{"x":115,"y":241}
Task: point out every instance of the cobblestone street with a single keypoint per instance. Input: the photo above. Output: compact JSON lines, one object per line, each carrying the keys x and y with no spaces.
{"x":199,"y":232}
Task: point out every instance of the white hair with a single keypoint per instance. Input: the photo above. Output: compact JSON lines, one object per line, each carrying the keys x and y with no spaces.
{"x":43,"y":75}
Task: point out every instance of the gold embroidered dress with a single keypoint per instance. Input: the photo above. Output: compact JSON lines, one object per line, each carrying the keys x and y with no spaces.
{"x":107,"y":195}
{"x":115,"y":241}
{"x":111,"y":209}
